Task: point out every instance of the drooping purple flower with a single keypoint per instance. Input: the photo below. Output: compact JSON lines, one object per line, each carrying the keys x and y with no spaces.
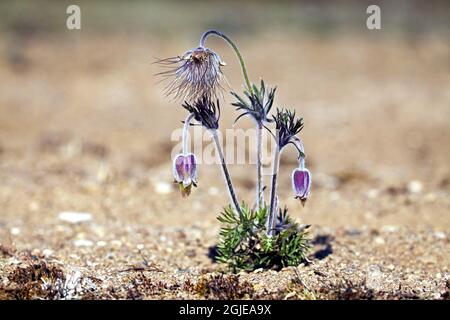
{"x":301,"y":184}
{"x":185,"y":172}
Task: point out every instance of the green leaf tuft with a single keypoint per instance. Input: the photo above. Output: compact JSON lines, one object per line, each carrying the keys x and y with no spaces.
{"x":244,"y":244}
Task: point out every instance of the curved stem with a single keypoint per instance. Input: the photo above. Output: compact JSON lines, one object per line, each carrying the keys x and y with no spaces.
{"x":187,"y":123}
{"x":259,"y":182}
{"x":236,"y":50}
{"x":226,"y":174}
{"x":270,"y":223}
{"x":300,"y":147}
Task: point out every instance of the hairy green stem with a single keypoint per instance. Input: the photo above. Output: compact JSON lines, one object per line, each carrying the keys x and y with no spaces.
{"x":259,"y":182}
{"x":226,"y":174}
{"x":187,"y":122}
{"x":270,"y":223}
{"x":236,"y":50}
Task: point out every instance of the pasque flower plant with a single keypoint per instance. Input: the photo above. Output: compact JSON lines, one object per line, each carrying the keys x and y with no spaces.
{"x":263,"y":236}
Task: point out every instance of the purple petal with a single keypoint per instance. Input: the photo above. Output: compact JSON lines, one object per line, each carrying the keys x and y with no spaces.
{"x":185,"y":169}
{"x":178,"y":168}
{"x":301,"y":183}
{"x":191,"y":166}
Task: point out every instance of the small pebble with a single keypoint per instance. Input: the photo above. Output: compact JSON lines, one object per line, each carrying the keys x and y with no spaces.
{"x":374,"y":277}
{"x":101,"y":243}
{"x":15,"y":231}
{"x":290,"y":295}
{"x":47,"y":253}
{"x":379,"y":240}
{"x":440,"y":235}
{"x":372,"y":193}
{"x":83,"y":243}
{"x":163,"y":188}
{"x":389,"y":229}
{"x":75,"y":217}
{"x":415,"y":186}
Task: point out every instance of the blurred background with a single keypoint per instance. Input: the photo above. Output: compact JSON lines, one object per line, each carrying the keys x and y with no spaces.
{"x":84,"y":124}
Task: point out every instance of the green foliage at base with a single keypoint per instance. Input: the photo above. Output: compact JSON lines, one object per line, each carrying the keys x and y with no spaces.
{"x":244,"y":244}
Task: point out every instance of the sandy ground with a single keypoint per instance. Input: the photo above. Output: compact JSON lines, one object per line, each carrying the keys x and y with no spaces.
{"x":85,"y":128}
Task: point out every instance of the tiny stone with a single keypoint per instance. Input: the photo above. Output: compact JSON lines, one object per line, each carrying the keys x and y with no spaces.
{"x":390,"y":229}
{"x":140,"y":246}
{"x":83,"y":243}
{"x":73,"y":280}
{"x":15,"y":231}
{"x":259,"y":270}
{"x":47,"y":252}
{"x":163,"y":188}
{"x":75,"y":217}
{"x":101,"y":243}
{"x":415,"y":186}
{"x":372,"y":193}
{"x":379,"y":241}
{"x":440,"y":235}
{"x":374,"y":277}
{"x":290,"y":295}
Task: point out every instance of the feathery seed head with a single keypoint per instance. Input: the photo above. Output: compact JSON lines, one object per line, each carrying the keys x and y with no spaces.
{"x":195,"y":74}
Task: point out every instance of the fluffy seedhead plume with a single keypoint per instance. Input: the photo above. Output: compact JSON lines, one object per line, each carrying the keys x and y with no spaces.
{"x":195,"y":74}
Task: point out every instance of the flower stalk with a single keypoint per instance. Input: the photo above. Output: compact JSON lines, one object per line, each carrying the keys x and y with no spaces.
{"x":225,"y":172}
{"x":270,"y":225}
{"x":185,"y":138}
{"x":236,"y":50}
{"x":259,"y":178}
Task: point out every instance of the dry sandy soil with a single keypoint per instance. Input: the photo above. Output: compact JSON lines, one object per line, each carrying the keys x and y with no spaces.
{"x":85,"y":128}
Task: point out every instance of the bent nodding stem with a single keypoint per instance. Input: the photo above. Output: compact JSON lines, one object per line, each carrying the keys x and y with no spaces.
{"x":187,"y":123}
{"x":299,"y":146}
{"x":270,"y":223}
{"x":236,"y":50}
{"x":226,"y":174}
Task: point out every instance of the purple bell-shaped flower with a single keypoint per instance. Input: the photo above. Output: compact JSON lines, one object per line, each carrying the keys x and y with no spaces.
{"x":301,"y":183}
{"x":185,"y":172}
